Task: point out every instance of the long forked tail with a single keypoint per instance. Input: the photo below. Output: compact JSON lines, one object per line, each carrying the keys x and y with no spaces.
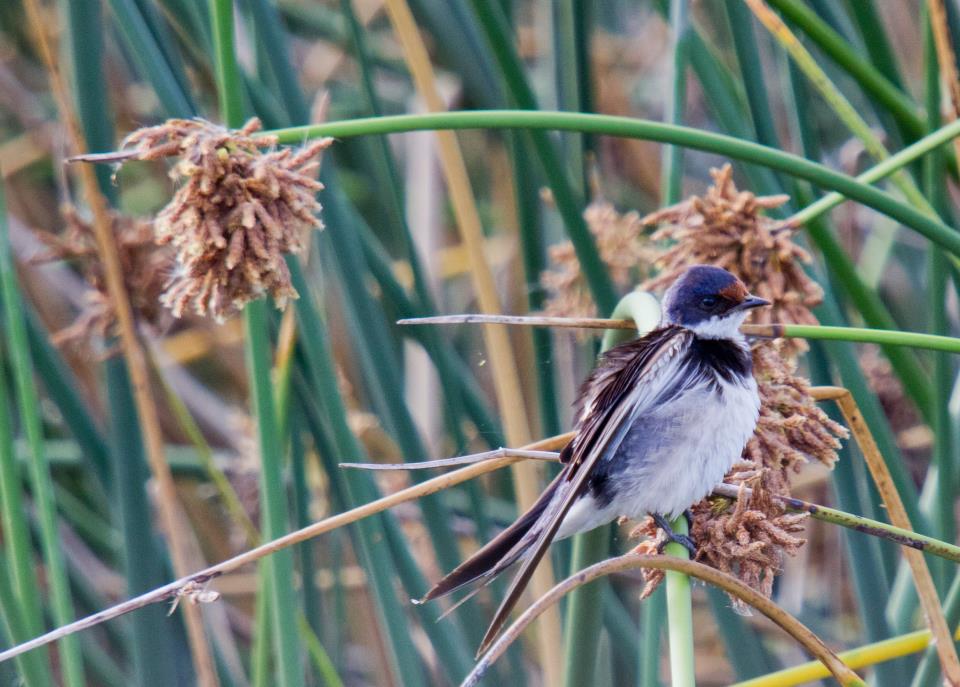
{"x":498,"y":554}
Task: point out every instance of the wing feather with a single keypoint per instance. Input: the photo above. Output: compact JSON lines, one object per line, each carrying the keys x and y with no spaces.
{"x":638,"y":371}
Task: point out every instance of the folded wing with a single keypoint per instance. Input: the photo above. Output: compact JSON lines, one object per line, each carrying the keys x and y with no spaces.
{"x":627,"y":380}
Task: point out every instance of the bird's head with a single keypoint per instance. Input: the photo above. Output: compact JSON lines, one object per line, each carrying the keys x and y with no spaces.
{"x":709,"y":301}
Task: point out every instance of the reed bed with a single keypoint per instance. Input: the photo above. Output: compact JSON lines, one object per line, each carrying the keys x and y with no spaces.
{"x":245,"y":244}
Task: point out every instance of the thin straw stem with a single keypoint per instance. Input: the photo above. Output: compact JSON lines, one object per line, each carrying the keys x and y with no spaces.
{"x":933,"y":342}
{"x":728,"y":583}
{"x":167,"y":502}
{"x":189,"y":585}
{"x":898,"y":516}
{"x":504,"y":366}
{"x":946,"y":59}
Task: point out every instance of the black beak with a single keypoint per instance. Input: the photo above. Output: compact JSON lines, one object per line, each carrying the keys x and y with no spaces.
{"x":751,"y":302}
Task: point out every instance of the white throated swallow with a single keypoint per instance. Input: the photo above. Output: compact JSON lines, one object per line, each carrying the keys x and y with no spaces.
{"x":659,"y":422}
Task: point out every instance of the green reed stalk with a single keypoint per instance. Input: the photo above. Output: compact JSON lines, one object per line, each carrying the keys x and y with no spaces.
{"x":274,"y":523}
{"x":19,"y":593}
{"x":842,"y":107}
{"x":32,"y":668}
{"x":585,"y":609}
{"x":41,"y":482}
{"x":874,"y":81}
{"x":680,"y":612}
{"x":930,"y":227}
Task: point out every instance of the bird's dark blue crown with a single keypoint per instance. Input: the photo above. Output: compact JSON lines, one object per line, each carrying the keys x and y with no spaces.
{"x":702,"y":292}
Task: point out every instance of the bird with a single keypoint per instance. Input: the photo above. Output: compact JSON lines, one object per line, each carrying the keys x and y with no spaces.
{"x":658,"y":423}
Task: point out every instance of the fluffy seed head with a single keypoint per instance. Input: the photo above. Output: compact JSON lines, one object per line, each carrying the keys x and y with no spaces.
{"x":623,"y":249}
{"x":145,"y":268}
{"x":243,"y":205}
{"x":727,"y":228}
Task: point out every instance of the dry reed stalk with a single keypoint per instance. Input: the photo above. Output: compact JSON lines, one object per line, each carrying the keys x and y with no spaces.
{"x":929,"y":600}
{"x":504,"y":367}
{"x":167,"y":502}
{"x":193,"y":587}
{"x":946,"y":59}
{"x":631,"y":561}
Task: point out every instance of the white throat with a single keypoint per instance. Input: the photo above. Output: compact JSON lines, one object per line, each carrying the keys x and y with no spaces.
{"x":727,"y":327}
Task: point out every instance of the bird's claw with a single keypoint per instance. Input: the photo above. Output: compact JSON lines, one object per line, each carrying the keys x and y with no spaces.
{"x":684,"y":540}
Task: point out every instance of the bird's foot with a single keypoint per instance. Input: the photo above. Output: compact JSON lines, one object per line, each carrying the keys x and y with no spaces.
{"x":683,"y":539}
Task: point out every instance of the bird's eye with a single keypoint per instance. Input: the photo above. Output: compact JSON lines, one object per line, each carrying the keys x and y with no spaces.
{"x":708,"y":301}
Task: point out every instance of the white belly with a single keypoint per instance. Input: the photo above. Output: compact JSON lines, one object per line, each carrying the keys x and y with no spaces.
{"x":674,"y":457}
{"x":708,"y":438}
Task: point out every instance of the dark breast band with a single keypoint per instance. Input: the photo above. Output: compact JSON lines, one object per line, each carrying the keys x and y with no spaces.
{"x":723,"y":358}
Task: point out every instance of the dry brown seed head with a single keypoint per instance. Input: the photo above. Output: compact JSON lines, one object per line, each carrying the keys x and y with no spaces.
{"x":726,"y":228}
{"x":623,"y":248}
{"x":241,"y":208}
{"x":145,"y":269}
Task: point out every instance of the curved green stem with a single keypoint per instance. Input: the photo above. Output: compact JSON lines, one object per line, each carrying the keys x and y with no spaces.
{"x":818,"y":174}
{"x":881,"y":170}
{"x":642,"y":309}
{"x":933,"y":342}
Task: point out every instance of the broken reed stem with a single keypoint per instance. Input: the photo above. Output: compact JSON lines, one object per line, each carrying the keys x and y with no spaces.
{"x":185,"y":585}
{"x":505,"y":371}
{"x":524,"y":320}
{"x":946,"y":60}
{"x":632,"y":561}
{"x":833,"y":516}
{"x":946,"y":650}
{"x":931,"y":342}
{"x":167,"y":500}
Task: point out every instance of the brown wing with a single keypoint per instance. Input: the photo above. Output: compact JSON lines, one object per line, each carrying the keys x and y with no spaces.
{"x":602,"y":396}
{"x":615,"y":373}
